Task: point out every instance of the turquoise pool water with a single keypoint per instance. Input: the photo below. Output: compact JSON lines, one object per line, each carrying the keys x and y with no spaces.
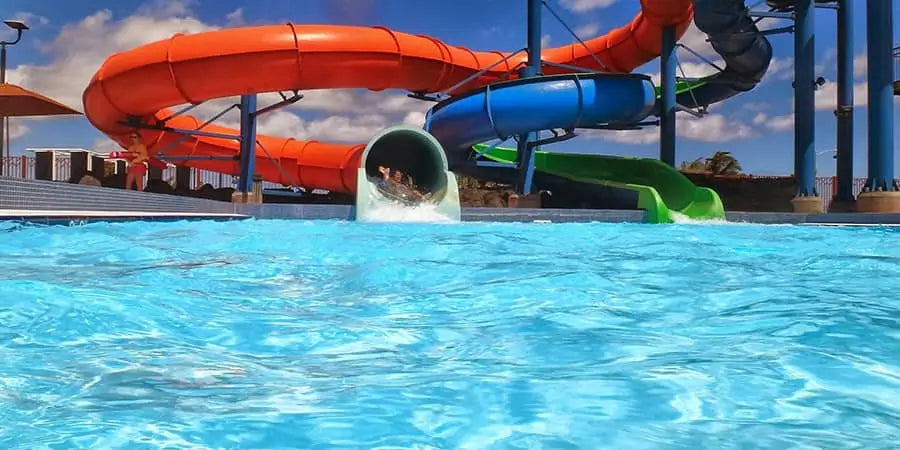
{"x":289,"y":334}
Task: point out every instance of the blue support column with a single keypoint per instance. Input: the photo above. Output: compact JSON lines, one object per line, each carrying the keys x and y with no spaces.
{"x":844,"y":110}
{"x":804,"y":99}
{"x":533,"y":69}
{"x":667,"y":115}
{"x":881,"y":102}
{"x":248,"y":143}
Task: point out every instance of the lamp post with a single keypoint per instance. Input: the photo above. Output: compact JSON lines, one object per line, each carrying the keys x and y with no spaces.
{"x":19,"y":26}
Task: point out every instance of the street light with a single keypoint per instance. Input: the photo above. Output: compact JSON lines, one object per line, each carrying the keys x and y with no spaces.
{"x":19,"y":26}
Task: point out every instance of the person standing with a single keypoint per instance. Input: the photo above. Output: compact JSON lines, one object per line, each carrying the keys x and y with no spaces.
{"x":137,"y":165}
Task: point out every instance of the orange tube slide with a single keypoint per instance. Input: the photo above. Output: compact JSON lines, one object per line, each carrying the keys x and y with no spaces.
{"x":147,"y":80}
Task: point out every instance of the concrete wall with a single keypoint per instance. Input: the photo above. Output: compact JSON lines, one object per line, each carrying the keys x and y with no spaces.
{"x":16,"y":193}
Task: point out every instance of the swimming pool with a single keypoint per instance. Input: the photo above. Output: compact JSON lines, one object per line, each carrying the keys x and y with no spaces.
{"x":278,"y":334}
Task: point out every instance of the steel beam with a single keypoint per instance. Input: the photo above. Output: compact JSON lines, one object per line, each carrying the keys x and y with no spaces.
{"x":844,"y":109}
{"x":881,"y":102}
{"x":525,"y":153}
{"x":198,"y":158}
{"x":668,"y":64}
{"x":287,"y":101}
{"x":804,"y":99}
{"x":248,"y":143}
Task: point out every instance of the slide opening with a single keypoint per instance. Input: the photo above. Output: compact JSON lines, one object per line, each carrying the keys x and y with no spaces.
{"x":412,"y":151}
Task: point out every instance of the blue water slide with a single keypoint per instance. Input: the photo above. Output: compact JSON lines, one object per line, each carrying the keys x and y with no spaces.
{"x":569,"y":101}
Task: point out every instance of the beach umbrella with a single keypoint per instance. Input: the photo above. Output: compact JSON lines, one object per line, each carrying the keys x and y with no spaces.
{"x":16,"y":101}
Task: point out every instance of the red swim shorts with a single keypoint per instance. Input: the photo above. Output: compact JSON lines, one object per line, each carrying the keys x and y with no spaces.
{"x":137,"y":169}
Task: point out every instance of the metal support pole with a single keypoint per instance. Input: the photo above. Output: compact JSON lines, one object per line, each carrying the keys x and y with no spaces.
{"x":844,"y":110}
{"x":526,"y":162}
{"x":668,"y":63}
{"x":3,"y":63}
{"x":248,"y":143}
{"x":881,"y":102}
{"x":2,"y":118}
{"x":804,"y":99}
{"x":533,"y":69}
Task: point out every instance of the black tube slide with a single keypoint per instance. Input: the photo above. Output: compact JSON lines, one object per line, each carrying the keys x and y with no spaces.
{"x":735,"y":37}
{"x":785,"y":5}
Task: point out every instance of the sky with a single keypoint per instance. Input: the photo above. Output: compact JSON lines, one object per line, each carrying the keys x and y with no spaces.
{"x":69,"y":40}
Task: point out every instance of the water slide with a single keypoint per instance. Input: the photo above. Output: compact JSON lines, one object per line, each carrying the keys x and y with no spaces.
{"x":664,"y":192}
{"x":141,"y":85}
{"x":144,"y":83}
{"x":734,"y":35}
{"x":578,"y":101}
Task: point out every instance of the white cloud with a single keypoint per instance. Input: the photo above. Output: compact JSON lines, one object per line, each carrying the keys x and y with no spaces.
{"x":414,"y":118}
{"x":105,"y":145}
{"x":692,"y":70}
{"x":861,"y":65}
{"x":777,"y":123}
{"x":755,"y":106}
{"x":29,"y":18}
{"x":587,"y":31}
{"x":17,"y":128}
{"x":695,"y":39}
{"x":350,"y":115}
{"x":710,"y":128}
{"x":235,"y":18}
{"x":826,"y":97}
{"x":545,"y":40}
{"x":167,"y":8}
{"x":331,"y":129}
{"x":826,"y":64}
{"x":80,"y":48}
{"x":585,"y":5}
{"x":780,"y":69}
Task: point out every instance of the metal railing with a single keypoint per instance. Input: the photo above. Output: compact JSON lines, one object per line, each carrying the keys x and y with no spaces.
{"x":24,"y":167}
{"x":896,"y":53}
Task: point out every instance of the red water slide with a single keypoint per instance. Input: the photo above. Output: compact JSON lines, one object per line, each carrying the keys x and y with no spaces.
{"x":193,"y":68}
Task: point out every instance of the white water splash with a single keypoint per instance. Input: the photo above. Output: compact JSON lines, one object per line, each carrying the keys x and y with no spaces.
{"x":683,"y":219}
{"x":392,"y":212}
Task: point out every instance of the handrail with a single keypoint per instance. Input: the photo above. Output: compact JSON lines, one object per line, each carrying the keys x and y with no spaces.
{"x":481,"y":72}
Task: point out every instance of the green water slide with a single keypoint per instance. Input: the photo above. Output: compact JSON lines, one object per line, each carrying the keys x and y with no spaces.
{"x":662,"y":190}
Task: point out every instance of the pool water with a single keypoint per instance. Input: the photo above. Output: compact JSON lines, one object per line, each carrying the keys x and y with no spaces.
{"x":293,"y":334}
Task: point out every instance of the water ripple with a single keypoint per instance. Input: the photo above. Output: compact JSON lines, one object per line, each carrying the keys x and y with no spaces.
{"x":330,"y":334}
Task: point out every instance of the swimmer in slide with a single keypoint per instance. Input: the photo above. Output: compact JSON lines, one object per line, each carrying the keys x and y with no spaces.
{"x":393,"y":183}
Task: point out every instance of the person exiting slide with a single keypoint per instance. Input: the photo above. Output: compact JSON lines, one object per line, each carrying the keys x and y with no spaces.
{"x":137,"y":166}
{"x":393,"y":183}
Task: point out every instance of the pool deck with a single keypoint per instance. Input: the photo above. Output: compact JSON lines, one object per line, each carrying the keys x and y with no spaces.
{"x":52,"y":217}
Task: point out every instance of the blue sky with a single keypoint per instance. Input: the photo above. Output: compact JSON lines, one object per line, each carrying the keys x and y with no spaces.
{"x":69,"y":40}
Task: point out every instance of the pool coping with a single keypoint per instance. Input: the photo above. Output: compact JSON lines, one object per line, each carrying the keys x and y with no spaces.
{"x":69,"y":217}
{"x":469,"y":214}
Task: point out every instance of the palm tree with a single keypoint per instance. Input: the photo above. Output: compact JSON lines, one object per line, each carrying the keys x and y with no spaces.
{"x":722,"y":163}
{"x":697,"y":165}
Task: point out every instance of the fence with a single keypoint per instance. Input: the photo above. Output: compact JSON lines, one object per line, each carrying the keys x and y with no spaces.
{"x":24,"y":167}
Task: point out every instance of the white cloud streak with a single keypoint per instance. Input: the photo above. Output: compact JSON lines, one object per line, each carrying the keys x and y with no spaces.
{"x":580,"y":6}
{"x":711,"y":128}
